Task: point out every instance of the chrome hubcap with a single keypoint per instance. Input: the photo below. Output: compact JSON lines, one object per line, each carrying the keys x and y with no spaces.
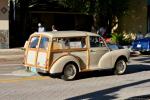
{"x":121,"y":66}
{"x":70,"y":71}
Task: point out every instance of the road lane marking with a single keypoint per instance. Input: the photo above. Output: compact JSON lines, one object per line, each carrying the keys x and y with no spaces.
{"x":24,"y":79}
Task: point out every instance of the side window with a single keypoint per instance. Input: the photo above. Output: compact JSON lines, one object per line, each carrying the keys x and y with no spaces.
{"x":58,"y":43}
{"x":34,"y":42}
{"x":78,"y":42}
{"x":96,"y":41}
{"x":66,"y":43}
{"x":44,"y":43}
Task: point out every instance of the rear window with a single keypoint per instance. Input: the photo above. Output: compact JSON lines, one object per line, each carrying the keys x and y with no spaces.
{"x":44,"y":43}
{"x":34,"y":42}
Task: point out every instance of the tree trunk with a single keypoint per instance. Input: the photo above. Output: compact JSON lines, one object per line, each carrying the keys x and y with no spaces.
{"x":94,"y":28}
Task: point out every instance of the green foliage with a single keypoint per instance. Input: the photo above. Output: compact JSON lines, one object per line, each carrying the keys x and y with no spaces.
{"x":116,"y":38}
{"x":103,"y":7}
{"x":84,"y":6}
{"x":120,"y":39}
{"x":103,"y":11}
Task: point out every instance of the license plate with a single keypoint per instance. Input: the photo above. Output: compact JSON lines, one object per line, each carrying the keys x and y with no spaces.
{"x":33,"y":69}
{"x":139,"y":45}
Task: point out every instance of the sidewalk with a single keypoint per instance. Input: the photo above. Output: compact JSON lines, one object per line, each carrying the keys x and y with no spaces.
{"x":11,"y":56}
{"x":11,"y":51}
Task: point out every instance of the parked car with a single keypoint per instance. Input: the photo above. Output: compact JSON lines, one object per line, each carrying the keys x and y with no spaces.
{"x":71,"y":52}
{"x":142,"y":45}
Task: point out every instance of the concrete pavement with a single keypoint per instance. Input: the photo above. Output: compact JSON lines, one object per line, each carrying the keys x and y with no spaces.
{"x":17,"y":84}
{"x":11,"y":56}
{"x":11,"y":64}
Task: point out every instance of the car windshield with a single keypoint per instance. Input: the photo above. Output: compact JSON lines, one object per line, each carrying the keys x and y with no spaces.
{"x":114,"y":46}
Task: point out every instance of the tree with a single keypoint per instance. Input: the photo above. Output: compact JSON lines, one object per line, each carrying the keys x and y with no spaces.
{"x":105,"y":12}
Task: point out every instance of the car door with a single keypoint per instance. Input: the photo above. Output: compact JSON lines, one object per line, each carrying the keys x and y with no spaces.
{"x":97,"y":50}
{"x":31,"y":51}
{"x":43,"y":53}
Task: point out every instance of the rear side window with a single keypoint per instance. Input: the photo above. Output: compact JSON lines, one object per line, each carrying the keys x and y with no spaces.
{"x":44,"y":43}
{"x":34,"y":42}
{"x":77,"y":42}
{"x":66,"y":43}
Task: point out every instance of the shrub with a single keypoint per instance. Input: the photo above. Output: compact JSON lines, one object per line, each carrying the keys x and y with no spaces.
{"x":121,"y":38}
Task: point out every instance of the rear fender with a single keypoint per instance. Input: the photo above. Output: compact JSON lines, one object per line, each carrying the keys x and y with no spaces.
{"x":59,"y":64}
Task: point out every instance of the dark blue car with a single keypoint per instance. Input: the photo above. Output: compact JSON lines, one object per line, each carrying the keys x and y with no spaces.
{"x":142,"y":45}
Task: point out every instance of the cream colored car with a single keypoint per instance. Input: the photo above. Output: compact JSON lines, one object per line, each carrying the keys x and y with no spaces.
{"x":71,"y":52}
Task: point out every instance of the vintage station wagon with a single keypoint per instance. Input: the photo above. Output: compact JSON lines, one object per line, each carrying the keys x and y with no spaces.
{"x":71,"y":52}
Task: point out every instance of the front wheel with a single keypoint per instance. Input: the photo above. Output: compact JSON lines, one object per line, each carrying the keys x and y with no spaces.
{"x":120,"y":67}
{"x":69,"y":72}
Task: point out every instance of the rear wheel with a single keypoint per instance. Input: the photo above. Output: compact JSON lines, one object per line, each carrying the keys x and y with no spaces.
{"x":69,"y":72}
{"x":120,"y":67}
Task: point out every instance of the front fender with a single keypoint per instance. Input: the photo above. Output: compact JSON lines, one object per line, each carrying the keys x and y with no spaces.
{"x":109,"y":59}
{"x":118,"y":53}
{"x":59,"y":64}
{"x":105,"y":61}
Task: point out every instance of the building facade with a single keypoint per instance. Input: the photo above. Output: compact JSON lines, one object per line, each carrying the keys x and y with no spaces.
{"x":4,"y":24}
{"x":136,"y":19}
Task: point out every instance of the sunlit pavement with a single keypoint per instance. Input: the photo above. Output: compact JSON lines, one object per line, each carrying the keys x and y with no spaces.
{"x":12,"y":69}
{"x":17,"y":84}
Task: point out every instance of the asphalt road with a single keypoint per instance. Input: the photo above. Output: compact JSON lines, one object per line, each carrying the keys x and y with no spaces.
{"x":17,"y":84}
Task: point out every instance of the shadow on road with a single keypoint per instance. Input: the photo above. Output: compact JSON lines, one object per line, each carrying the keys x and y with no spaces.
{"x":137,"y":68}
{"x":141,"y":97}
{"x":142,"y":59}
{"x":130,"y":70}
{"x":105,"y":94}
{"x":91,"y":74}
